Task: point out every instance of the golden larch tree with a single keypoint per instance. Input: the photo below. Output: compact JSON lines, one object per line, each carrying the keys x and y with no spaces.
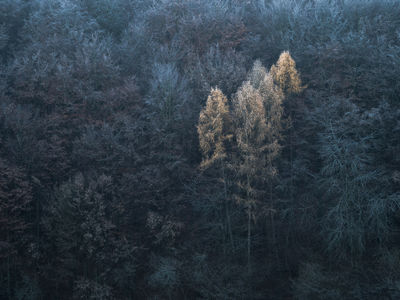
{"x":286,"y":75}
{"x":214,"y":127}
{"x":215,"y":132}
{"x":250,"y":133}
{"x":272,"y":98}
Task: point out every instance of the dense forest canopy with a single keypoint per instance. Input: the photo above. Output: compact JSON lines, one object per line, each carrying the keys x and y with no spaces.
{"x":199,"y":149}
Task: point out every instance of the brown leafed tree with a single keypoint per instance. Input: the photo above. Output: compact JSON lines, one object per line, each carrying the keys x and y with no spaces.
{"x":214,"y":127}
{"x":215,"y":132}
{"x":251,"y":133}
{"x":272,"y":98}
{"x":286,"y":75}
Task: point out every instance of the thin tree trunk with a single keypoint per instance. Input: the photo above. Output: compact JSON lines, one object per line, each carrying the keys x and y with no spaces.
{"x":249,"y":240}
{"x":8,"y":271}
{"x":37,"y":217}
{"x":291,"y":161}
{"x":248,"y":227}
{"x":228,"y":218}
{"x":272,"y":217}
{"x":9,"y":277}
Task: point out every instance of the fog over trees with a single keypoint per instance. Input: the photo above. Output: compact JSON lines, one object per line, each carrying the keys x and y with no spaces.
{"x":199,"y":149}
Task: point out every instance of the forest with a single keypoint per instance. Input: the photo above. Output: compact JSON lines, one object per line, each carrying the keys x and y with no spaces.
{"x":199,"y":149}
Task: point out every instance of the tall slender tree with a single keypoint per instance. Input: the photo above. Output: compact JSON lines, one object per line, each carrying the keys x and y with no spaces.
{"x":214,"y":127}
{"x":272,"y":98}
{"x":215,"y":132}
{"x":286,"y":76}
{"x":251,"y":133}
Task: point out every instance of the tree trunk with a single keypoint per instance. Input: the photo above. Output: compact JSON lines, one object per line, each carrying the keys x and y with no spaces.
{"x":249,"y":240}
{"x":227,"y":215}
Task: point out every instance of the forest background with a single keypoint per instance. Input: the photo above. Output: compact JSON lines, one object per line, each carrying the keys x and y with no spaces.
{"x":189,"y":149}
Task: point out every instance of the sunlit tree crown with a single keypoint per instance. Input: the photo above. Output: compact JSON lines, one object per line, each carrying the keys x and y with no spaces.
{"x":285,"y":74}
{"x":214,"y":126}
